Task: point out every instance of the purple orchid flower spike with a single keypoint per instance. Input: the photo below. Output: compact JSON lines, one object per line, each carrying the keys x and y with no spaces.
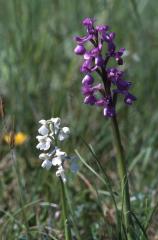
{"x":104,"y":95}
{"x":95,"y":60}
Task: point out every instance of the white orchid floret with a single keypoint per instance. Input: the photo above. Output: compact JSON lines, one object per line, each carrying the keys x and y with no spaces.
{"x":59,"y":157}
{"x":63,"y":133}
{"x":46,"y":164}
{"x":53,"y":131}
{"x":60,"y":153}
{"x":61,"y":173}
{"x":44,"y":142}
{"x":56,"y":122}
{"x":56,"y":161}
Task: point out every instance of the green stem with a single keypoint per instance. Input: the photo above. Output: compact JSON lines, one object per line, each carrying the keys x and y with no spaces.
{"x":64,"y":212}
{"x":72,"y":214}
{"x":122,"y":171}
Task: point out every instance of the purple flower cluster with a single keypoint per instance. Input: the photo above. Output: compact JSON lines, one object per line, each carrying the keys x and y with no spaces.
{"x":103,"y":94}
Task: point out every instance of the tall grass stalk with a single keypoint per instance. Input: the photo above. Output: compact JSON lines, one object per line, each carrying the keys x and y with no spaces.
{"x":105,"y":181}
{"x":64,"y":212}
{"x":21,"y":193}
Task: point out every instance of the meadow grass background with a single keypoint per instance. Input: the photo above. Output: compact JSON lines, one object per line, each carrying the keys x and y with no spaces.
{"x":40,"y":78}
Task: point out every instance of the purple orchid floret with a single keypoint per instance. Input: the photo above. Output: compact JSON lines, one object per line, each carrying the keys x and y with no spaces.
{"x":90,"y":99}
{"x":87,"y":90}
{"x":79,"y":50}
{"x":102,"y":28}
{"x":99,"y":61}
{"x":129,"y":98}
{"x":96,"y":60}
{"x":100,"y":102}
{"x":109,"y":111}
{"x":88,"y":22}
{"x":87,"y":80}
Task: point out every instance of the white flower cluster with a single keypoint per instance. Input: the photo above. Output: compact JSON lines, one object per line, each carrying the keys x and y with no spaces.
{"x":51,"y":132}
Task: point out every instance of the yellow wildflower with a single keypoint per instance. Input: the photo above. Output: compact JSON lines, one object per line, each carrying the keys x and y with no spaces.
{"x":16,"y":139}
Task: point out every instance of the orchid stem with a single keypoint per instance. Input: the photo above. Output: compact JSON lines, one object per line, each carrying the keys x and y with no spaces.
{"x":64,"y":212}
{"x":122,"y":171}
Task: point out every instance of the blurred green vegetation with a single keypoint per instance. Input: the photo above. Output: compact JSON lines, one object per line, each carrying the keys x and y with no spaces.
{"x":40,"y":78}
